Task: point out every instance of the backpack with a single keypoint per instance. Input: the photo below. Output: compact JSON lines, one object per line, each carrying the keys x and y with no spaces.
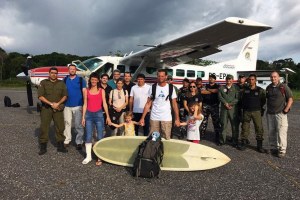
{"x":169,"y":95}
{"x":7,"y":101}
{"x":149,"y":157}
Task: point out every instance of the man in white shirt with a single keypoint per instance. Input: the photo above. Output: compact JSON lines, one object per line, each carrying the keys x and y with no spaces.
{"x":161,"y":99}
{"x":137,"y":101}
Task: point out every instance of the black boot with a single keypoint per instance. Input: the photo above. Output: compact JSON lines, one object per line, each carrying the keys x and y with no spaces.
{"x":242,"y":147}
{"x":43,"y":148}
{"x":259,"y":146}
{"x":61,"y":147}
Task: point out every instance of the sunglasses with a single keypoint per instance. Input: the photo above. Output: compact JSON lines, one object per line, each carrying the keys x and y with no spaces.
{"x":192,"y":86}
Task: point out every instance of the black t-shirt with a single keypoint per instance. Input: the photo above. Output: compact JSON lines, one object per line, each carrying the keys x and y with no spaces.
{"x":211,"y":99}
{"x":128,"y":87}
{"x":107,"y":91}
{"x":196,"y":98}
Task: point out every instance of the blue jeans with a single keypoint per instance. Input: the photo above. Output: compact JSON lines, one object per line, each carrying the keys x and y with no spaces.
{"x":93,"y":119}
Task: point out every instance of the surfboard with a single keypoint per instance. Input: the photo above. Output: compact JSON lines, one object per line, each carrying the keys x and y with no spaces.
{"x":178,"y":155}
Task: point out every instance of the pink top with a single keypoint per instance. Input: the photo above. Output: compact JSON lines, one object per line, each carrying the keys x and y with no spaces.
{"x":94,"y":101}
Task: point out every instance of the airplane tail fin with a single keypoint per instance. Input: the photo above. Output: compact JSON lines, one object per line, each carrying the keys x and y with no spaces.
{"x":248,"y":55}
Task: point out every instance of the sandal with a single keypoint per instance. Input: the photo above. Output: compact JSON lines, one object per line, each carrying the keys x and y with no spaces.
{"x":98,"y":162}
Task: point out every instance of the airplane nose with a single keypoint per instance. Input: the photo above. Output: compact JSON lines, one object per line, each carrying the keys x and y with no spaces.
{"x":22,"y":76}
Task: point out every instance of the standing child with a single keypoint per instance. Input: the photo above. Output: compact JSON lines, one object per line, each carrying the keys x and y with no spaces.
{"x":129,"y":124}
{"x":193,"y":122}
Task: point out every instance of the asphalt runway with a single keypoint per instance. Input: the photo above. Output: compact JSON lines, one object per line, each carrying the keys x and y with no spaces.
{"x":26,"y":175}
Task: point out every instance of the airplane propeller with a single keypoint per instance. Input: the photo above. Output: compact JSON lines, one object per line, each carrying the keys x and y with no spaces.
{"x":25,"y":68}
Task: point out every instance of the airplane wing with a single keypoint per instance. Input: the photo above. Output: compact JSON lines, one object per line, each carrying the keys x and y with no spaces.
{"x":198,"y":44}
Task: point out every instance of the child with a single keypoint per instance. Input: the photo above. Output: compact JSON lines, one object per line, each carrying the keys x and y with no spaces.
{"x":129,"y":124}
{"x":193,"y":123}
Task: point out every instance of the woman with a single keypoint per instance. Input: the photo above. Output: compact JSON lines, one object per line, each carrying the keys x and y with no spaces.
{"x":94,"y":100}
{"x":192,"y":96}
{"x":118,"y":100}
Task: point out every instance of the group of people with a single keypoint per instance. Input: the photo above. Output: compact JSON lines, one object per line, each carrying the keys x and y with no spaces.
{"x":239,"y":104}
{"x":118,"y":107}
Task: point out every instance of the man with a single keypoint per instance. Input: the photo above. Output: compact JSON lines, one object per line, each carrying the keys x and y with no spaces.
{"x":128,"y":84}
{"x":160,"y":99}
{"x":116,"y":76}
{"x":279,"y":102}
{"x":137,"y":101}
{"x":229,"y":97}
{"x":253,"y":99}
{"x":210,"y":106}
{"x":76,"y":87}
{"x":199,"y":84}
{"x":170,"y":81}
{"x":103,"y":85}
{"x":53,"y":93}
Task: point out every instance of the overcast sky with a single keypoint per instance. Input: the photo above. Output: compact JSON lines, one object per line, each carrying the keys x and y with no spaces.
{"x":96,"y":27}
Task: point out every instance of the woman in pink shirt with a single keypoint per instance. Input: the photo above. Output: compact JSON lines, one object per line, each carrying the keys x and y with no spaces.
{"x":94,"y":99}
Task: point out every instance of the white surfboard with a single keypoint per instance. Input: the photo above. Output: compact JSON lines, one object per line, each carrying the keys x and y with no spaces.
{"x":178,"y":155}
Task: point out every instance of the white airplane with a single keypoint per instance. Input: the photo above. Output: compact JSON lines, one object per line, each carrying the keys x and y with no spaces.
{"x":173,"y":54}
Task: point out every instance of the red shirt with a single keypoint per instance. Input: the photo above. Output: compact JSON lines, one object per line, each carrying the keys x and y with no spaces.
{"x":94,"y":101}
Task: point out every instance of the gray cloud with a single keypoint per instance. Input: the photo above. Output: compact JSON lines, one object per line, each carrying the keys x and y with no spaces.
{"x":94,"y":27}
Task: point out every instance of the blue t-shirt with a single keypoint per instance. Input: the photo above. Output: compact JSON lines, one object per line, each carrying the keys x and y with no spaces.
{"x":112,"y":84}
{"x":74,"y":91}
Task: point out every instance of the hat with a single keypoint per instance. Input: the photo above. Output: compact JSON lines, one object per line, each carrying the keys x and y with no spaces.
{"x":213,"y":76}
{"x":241,"y":76}
{"x":229,"y":76}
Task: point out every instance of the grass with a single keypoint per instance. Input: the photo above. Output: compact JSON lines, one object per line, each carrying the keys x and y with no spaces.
{"x":296,"y":94}
{"x":11,"y":83}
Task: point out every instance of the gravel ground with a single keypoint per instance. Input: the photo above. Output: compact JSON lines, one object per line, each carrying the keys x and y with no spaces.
{"x":26,"y":175}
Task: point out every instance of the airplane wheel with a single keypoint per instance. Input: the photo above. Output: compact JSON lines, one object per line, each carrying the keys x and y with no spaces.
{"x":38,"y":107}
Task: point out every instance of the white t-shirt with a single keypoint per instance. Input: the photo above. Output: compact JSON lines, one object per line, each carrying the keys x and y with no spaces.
{"x":193,"y":129}
{"x":161,"y":107}
{"x":140,"y":96}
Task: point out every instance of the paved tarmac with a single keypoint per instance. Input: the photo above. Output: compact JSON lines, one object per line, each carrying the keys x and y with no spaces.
{"x":26,"y":175}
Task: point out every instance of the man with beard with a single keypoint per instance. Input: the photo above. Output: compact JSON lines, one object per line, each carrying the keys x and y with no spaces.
{"x":53,"y":93}
{"x":210,"y":106}
{"x":76,"y":87}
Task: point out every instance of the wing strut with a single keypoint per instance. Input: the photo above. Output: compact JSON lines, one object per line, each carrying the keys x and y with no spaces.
{"x":139,"y":69}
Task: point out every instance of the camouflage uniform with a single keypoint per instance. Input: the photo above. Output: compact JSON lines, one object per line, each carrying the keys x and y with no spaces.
{"x":210,"y":106}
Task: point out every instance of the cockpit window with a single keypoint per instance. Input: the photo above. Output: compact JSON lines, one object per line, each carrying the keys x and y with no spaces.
{"x":91,"y":64}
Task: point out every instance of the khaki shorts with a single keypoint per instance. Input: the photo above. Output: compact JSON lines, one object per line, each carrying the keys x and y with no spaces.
{"x":163,"y":127}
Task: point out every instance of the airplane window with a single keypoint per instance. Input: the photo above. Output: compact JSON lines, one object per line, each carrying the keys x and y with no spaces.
{"x":132,"y":69}
{"x":170,"y":72}
{"x":180,"y":72}
{"x":105,"y":69}
{"x":190,"y":73}
{"x":151,"y":70}
{"x":200,"y":74}
{"x":91,"y":64}
{"x":121,"y":68}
